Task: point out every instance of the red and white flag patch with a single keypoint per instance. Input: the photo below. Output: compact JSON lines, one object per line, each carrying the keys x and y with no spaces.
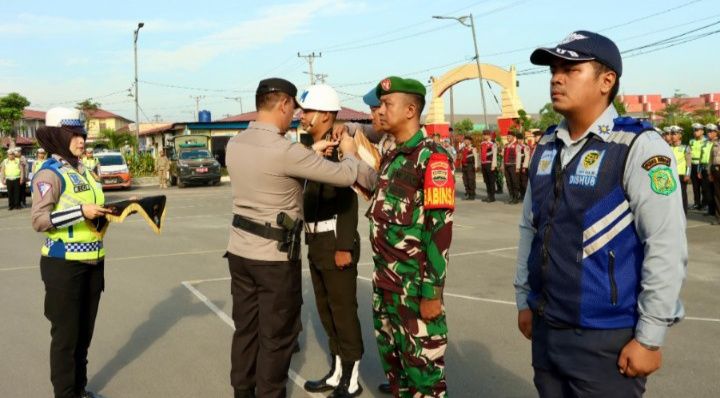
{"x":439,"y":188}
{"x":43,"y":188}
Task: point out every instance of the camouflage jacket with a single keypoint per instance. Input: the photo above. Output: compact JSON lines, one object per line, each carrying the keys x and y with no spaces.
{"x":411,"y":218}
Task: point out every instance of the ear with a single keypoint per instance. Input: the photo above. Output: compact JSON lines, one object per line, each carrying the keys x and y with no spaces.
{"x":607,"y":81}
{"x":411,"y":110}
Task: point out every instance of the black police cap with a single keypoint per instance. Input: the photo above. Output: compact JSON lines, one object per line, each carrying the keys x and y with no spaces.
{"x":581,"y":45}
{"x":276,"y":85}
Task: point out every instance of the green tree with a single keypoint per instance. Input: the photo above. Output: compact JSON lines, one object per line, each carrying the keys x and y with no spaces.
{"x":548,"y":117}
{"x":464,"y":126}
{"x":526,"y":121}
{"x":619,"y":106}
{"x":705,"y":115}
{"x":88,"y":107}
{"x":116,"y":139}
{"x":11,"y":112}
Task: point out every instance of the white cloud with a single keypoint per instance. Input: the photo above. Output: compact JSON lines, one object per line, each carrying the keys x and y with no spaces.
{"x":273,"y":25}
{"x":7,"y":63}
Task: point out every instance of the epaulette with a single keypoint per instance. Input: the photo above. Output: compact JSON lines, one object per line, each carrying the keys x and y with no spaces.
{"x":550,"y":129}
{"x":631,"y":125}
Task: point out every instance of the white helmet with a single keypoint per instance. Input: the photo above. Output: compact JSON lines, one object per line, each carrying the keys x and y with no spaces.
{"x":711,"y":127}
{"x":697,"y":126}
{"x":320,"y":97}
{"x":64,"y":117}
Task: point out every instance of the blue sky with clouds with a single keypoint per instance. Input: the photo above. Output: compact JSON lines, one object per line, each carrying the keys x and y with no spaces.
{"x":61,"y":52}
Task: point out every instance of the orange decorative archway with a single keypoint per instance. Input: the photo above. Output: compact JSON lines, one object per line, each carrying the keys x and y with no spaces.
{"x":507,"y":79}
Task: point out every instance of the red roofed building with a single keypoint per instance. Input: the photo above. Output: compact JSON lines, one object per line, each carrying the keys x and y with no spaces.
{"x":101,"y":119}
{"x":28,"y":125}
{"x":648,"y":105}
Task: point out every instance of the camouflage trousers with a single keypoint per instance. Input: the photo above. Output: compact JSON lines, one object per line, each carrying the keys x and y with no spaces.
{"x":412,"y":351}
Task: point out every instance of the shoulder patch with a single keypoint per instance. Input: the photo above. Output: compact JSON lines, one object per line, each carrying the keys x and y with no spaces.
{"x":43,"y":188}
{"x":658,"y":160}
{"x":439,"y":190}
{"x":662,"y":181}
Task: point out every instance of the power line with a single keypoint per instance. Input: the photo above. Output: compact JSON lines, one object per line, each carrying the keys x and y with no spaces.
{"x":217,"y":90}
{"x":650,"y":16}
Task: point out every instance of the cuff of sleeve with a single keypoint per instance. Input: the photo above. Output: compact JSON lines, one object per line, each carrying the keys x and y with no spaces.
{"x":430,"y":291}
{"x":650,"y":334}
{"x":521,"y":301}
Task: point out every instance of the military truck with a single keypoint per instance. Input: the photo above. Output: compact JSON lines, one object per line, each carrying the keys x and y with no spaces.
{"x":191,"y":161}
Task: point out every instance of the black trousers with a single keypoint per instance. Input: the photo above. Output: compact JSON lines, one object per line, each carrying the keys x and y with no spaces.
{"x":267,"y":297}
{"x":468,"y":175}
{"x":523,"y":177}
{"x":715,"y":172}
{"x":683,"y":190}
{"x":336,"y":296}
{"x":72,"y":296}
{"x":571,"y":363}
{"x":696,"y":185}
{"x":513,"y":181}
{"x":13,"y":192}
{"x":707,"y":186}
{"x":489,"y":178}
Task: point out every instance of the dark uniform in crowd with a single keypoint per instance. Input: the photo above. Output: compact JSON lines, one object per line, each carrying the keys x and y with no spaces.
{"x":696,"y":146}
{"x":488,"y":164}
{"x":707,"y":186}
{"x":410,"y":232}
{"x":72,"y":263}
{"x":331,"y":219}
{"x":602,"y":252}
{"x":511,"y":166}
{"x":714,"y":171}
{"x":528,"y":151}
{"x":468,"y":155}
{"x":266,"y":173}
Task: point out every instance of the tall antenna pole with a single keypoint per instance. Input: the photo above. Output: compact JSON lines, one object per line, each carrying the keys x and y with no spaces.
{"x":310,"y":58}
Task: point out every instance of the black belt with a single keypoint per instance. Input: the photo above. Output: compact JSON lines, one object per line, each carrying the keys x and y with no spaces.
{"x":262,"y":230}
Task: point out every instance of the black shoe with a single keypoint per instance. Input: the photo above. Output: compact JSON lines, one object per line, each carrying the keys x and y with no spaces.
{"x":488,"y":200}
{"x":322,"y":384}
{"x":89,"y":394}
{"x":348,"y":386}
{"x":245,"y":393}
{"x":385,"y":388}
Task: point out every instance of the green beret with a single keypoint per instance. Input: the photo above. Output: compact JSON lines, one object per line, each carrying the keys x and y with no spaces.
{"x":394,"y":84}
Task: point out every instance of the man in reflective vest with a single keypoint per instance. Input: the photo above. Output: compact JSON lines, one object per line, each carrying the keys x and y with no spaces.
{"x":488,"y":164}
{"x":599,"y":268}
{"x":683,"y":161}
{"x":696,"y":145}
{"x":708,"y":201}
{"x":13,"y":177}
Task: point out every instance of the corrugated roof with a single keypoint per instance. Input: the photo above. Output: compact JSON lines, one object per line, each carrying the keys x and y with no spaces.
{"x":103,"y":114}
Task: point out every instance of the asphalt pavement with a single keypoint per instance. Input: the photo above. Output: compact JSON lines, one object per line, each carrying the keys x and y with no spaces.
{"x":163,"y":329}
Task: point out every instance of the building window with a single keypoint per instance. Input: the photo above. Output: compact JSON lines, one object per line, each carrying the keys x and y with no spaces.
{"x":103,"y":126}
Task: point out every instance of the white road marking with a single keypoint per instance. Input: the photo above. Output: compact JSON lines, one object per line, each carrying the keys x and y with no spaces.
{"x":296,"y":378}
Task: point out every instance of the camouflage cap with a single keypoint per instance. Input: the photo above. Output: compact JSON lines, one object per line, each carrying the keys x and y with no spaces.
{"x":394,"y":84}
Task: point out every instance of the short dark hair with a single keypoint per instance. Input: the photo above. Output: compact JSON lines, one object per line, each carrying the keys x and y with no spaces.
{"x":601,"y":68}
{"x":418,"y":101}
{"x":267,"y":101}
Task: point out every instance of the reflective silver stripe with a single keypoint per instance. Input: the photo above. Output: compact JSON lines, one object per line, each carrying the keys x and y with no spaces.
{"x":590,"y":249}
{"x":605,"y":221}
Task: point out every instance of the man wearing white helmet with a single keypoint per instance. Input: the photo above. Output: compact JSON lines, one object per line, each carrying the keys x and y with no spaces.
{"x":331,"y":218}
{"x":713,"y":171}
{"x":708,"y":202}
{"x":12,"y":176}
{"x":91,"y":163}
{"x":66,"y":198}
{"x":696,"y":145}
{"x":683,"y":159}
{"x":666,"y":134}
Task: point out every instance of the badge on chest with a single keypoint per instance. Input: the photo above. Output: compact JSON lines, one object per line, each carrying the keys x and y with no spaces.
{"x":588,"y":167}
{"x":78,"y":184}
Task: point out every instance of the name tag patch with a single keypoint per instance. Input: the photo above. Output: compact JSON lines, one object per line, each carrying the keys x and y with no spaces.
{"x":546,"y":162}
{"x":439,"y":189}
{"x":588,"y":168}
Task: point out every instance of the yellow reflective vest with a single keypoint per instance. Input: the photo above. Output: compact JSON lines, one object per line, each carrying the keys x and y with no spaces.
{"x":680,"y":151}
{"x":12,"y":168}
{"x":78,"y":242}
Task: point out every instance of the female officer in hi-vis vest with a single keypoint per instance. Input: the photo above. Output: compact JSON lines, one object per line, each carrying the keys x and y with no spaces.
{"x":65,"y":198}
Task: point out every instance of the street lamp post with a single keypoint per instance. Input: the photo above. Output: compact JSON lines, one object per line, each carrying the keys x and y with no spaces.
{"x":463,"y":21}
{"x":137,"y":104}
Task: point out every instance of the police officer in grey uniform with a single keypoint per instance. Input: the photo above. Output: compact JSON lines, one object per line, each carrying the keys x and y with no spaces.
{"x":266,"y":173}
{"x":602,"y":253}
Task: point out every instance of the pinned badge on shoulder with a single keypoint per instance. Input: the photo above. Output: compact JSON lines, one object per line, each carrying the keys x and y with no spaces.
{"x":662,"y":180}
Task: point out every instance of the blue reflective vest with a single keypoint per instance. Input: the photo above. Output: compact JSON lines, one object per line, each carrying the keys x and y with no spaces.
{"x":586,"y":257}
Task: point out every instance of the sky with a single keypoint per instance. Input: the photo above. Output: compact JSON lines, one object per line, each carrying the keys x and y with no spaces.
{"x":57,"y":53}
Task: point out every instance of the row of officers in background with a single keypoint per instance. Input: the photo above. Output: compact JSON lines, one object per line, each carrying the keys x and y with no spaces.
{"x":509,"y":162}
{"x":698,"y":163}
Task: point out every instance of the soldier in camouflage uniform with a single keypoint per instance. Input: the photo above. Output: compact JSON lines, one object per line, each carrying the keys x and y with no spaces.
{"x":410,"y":232}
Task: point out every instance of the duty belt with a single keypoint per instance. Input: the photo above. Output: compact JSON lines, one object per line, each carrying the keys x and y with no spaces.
{"x":77,"y":247}
{"x":262,"y":230}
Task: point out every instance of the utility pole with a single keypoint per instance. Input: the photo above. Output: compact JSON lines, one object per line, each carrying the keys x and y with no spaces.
{"x":463,"y":21}
{"x":310,"y":58}
{"x":137,"y":104}
{"x":157,"y":118}
{"x":197,"y":99}
{"x":238,"y":99}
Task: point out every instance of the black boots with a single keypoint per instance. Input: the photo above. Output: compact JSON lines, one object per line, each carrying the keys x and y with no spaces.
{"x":248,"y":393}
{"x":349,"y":386}
{"x":330,"y":381}
{"x":385,"y":388}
